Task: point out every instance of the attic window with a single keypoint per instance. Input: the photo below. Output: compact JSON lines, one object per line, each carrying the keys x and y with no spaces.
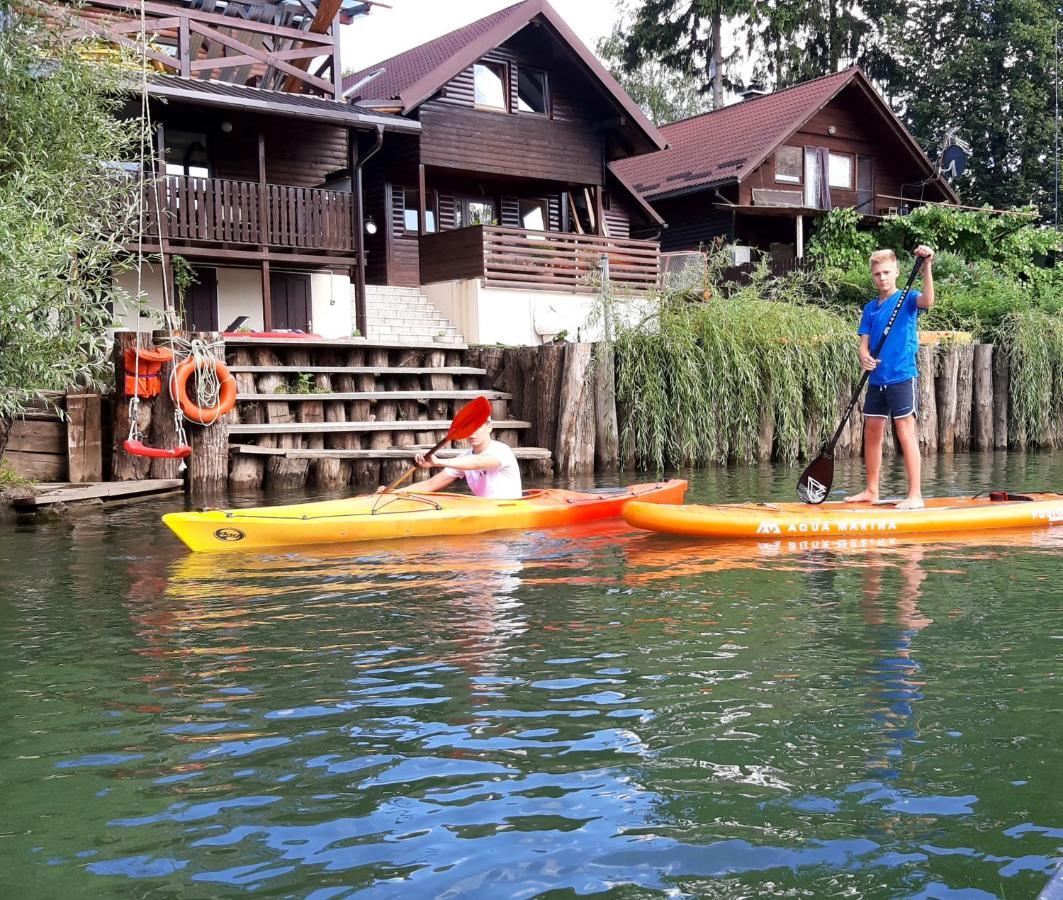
{"x":788,"y":165}
{"x":490,"y":83}
{"x":531,"y":92}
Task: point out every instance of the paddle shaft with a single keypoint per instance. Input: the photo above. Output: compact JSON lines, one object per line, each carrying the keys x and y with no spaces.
{"x":413,"y":469}
{"x":829,"y":448}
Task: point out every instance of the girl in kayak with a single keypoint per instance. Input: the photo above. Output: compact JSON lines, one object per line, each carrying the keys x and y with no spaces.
{"x":891,"y":389}
{"x":489,"y":468}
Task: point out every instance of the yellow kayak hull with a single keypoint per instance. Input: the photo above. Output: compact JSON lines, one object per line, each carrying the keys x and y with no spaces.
{"x":781,"y":521}
{"x":375,"y":517}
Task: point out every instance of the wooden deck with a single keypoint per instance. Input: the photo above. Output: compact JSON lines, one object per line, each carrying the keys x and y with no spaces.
{"x":106,"y":492}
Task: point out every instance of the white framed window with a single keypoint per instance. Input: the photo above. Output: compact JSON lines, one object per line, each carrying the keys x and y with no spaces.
{"x":788,"y":164}
{"x":533,"y":214}
{"x":841,"y":171}
{"x":489,"y":81}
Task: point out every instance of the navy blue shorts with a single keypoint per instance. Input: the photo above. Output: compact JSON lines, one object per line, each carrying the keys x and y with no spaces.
{"x":885,"y":400}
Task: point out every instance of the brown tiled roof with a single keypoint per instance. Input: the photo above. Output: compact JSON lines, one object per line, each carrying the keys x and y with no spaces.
{"x":407,"y":68}
{"x":409,"y":78}
{"x":727,"y":144}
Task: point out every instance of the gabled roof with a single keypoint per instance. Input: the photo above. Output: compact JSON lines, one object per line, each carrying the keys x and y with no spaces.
{"x":726,"y":145}
{"x":411,"y":77}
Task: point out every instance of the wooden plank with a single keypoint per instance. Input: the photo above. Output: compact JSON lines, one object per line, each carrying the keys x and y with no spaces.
{"x":37,"y":436}
{"x":107,"y":490}
{"x":37,"y":466}
{"x":375,"y":396}
{"x":350,"y":343}
{"x":376,"y":425}
{"x":366,"y":370}
{"x":386,"y":453}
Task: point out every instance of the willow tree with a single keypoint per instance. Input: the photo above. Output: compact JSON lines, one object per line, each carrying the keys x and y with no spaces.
{"x":65,"y":210}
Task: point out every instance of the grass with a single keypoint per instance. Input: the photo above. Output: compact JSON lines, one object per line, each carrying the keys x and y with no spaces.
{"x":1033,"y":341}
{"x":9,"y":478}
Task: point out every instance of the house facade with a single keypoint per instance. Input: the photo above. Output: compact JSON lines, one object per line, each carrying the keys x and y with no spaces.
{"x":758,"y":172}
{"x":248,"y":117}
{"x":502,"y":207}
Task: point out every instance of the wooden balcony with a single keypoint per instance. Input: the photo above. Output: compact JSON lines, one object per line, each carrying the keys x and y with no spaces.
{"x":537,"y":260}
{"x":222,"y":211}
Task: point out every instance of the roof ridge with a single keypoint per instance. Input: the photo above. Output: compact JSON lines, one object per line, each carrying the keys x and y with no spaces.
{"x":748,"y":100}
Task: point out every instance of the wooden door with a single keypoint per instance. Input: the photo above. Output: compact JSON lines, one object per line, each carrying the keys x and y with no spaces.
{"x":865,"y":184}
{"x":290,"y":300}
{"x":201,"y":301}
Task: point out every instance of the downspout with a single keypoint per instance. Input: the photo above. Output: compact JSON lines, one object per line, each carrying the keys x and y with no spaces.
{"x":359,"y":223}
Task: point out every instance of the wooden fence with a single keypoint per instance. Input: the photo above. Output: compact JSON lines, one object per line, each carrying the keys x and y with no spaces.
{"x":222,"y":210}
{"x":537,"y":260}
{"x":59,"y":438}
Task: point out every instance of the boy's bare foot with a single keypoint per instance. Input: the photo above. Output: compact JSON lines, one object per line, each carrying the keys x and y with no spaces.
{"x":865,"y":496}
{"x":911,"y":503}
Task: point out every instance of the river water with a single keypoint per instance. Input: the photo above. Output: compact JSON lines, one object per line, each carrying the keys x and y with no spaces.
{"x":583,"y":712}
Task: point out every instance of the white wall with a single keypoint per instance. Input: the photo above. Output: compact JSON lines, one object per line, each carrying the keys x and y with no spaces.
{"x":240,"y":294}
{"x":518,"y":317}
{"x":332,"y":305}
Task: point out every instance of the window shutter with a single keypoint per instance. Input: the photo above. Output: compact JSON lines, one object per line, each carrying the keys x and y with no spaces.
{"x":510,"y":212}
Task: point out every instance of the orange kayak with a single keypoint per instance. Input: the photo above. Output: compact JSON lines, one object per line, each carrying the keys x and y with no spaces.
{"x":387,"y":516}
{"x":779,"y":521}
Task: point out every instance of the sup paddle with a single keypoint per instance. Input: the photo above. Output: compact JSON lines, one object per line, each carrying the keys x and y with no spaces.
{"x":815,"y":482}
{"x":470,"y":417}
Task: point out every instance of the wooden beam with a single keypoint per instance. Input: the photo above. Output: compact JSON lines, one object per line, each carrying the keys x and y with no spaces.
{"x":422,"y":200}
{"x":326,"y":17}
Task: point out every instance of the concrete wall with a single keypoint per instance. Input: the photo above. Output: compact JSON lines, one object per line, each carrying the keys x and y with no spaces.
{"x":521,"y":318}
{"x":240,"y":294}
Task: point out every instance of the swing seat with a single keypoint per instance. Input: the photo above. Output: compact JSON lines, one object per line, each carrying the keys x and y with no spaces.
{"x":135,"y":447}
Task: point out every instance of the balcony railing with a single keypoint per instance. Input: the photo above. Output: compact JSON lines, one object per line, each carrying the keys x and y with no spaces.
{"x":224,"y":211}
{"x":537,"y":260}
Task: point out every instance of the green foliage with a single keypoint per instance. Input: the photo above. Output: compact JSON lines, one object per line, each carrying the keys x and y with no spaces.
{"x":64,"y":213}
{"x":662,"y":93}
{"x":1033,"y":340}
{"x":694,"y":378}
{"x":987,"y":265}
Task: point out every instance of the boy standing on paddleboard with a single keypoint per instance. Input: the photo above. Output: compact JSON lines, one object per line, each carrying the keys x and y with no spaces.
{"x":891,"y":388}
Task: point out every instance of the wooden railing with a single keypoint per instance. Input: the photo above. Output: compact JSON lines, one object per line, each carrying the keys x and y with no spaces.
{"x":537,"y":260}
{"x":220,"y":210}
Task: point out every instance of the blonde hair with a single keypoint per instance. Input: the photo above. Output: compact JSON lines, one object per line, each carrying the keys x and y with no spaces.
{"x":882,"y":256}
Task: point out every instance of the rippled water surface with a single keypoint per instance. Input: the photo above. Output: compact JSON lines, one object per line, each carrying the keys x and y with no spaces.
{"x":589,"y":712}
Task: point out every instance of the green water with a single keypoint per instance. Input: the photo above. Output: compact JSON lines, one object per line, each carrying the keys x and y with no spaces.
{"x":587,"y":712}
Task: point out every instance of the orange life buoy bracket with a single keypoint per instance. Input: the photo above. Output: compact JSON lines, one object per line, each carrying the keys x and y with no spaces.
{"x":226,"y":394}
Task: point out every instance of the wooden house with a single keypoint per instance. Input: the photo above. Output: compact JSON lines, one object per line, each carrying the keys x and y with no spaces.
{"x":246,"y":103}
{"x":507,"y":193}
{"x":754,"y":173}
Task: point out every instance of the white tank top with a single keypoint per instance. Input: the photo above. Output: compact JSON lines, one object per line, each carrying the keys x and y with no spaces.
{"x":502,"y":483}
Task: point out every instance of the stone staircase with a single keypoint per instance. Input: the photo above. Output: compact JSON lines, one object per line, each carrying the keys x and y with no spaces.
{"x":405,"y":314}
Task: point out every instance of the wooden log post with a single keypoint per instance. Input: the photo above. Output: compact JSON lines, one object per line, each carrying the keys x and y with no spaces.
{"x":364,"y":472}
{"x":1001,"y":398}
{"x":606,"y":429}
{"x":576,"y":427}
{"x":125,"y":467}
{"x":281,"y":472}
{"x":765,"y":433}
{"x":247,"y":470}
{"x":982,"y":401}
{"x":163,"y":432}
{"x":926,"y":414}
{"x":209,"y":462}
{"x":964,"y":396}
{"x":945,"y":393}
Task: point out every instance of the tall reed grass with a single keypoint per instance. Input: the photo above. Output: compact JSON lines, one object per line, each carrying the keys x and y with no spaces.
{"x":696,"y":379}
{"x":1033,"y":341}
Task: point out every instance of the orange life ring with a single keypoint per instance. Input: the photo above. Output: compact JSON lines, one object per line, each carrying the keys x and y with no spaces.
{"x":226,"y":396}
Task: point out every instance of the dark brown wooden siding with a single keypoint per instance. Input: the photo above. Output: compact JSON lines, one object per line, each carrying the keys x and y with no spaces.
{"x":452,"y":255}
{"x":693,"y":221}
{"x":858,"y":131}
{"x":497,"y":143}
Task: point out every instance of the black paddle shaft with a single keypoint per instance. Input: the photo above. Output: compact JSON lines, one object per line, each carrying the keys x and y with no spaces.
{"x":828,"y":448}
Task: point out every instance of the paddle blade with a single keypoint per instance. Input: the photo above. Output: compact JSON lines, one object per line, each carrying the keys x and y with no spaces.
{"x":815,"y":482}
{"x":470,"y":417}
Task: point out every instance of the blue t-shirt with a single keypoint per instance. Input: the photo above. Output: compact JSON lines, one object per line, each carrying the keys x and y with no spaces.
{"x":896,"y":361}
